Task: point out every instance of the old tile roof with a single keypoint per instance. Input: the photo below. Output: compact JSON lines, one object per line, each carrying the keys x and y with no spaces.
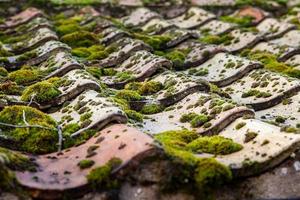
{"x":157,"y":94}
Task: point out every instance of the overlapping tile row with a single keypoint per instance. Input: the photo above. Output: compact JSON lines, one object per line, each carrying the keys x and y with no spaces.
{"x":70,"y":79}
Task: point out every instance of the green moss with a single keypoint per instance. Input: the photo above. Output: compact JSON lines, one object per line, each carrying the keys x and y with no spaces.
{"x":145,"y":88}
{"x":256,"y":93}
{"x":270,"y":62}
{"x":199,"y":120}
{"x":210,"y":174}
{"x":198,"y":72}
{"x":204,"y":172}
{"x":85,"y":116}
{"x":131,"y":114}
{"x":214,"y":39}
{"x":244,"y":21}
{"x":265,"y":4}
{"x":187,"y":117}
{"x":80,"y":39}
{"x":67,"y":29}
{"x":280,"y":119}
{"x":128,"y":95}
{"x":217,"y":145}
{"x":99,"y":177}
{"x":68,"y":129}
{"x":240,"y":125}
{"x":177,"y":57}
{"x":33,"y":139}
{"x":124,"y":76}
{"x":98,"y":72}
{"x":3,"y":71}
{"x":84,"y":164}
{"x":152,"y":109}
{"x":23,"y":76}
{"x":42,"y":91}
{"x":157,"y":42}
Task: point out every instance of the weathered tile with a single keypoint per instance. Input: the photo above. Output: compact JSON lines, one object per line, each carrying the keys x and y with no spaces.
{"x":100,"y":111}
{"x":126,"y":48}
{"x":264,"y":146}
{"x":223,"y":69}
{"x":59,"y":64}
{"x":291,"y":38}
{"x":287,"y":113}
{"x":262,"y":89}
{"x":177,"y":85}
{"x":273,"y":28}
{"x":216,"y":27}
{"x":39,"y":37}
{"x":194,"y":17}
{"x":283,"y":52}
{"x":60,"y":172}
{"x":140,"y":65}
{"x":21,"y":18}
{"x":242,"y":40}
{"x":139,"y":17}
{"x":219,"y":112}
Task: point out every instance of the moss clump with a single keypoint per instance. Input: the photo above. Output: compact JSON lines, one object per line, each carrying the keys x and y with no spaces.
{"x":68,"y":129}
{"x":199,"y":120}
{"x":41,"y":92}
{"x":177,"y":57}
{"x":80,"y":39}
{"x":67,"y":29}
{"x":100,"y":176}
{"x":210,"y":173}
{"x":270,"y":62}
{"x":215,"y":39}
{"x":152,"y":109}
{"x":256,"y":93}
{"x":244,"y":21}
{"x":23,"y":76}
{"x":187,"y":117}
{"x":250,"y":136}
{"x":194,"y":119}
{"x":145,"y":88}
{"x":157,"y":42}
{"x":29,"y":139}
{"x":95,"y":52}
{"x":215,"y":145}
{"x":84,"y":164}
{"x":128,"y":95}
{"x":205,"y":172}
{"x":132,"y":114}
{"x":99,"y":72}
{"x":240,"y":125}
{"x":3,"y":71}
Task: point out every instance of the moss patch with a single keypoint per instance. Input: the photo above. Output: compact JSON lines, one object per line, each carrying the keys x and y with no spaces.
{"x":270,"y":62}
{"x":84,"y":164}
{"x":41,"y":92}
{"x":204,"y":172}
{"x":152,"y":109}
{"x":100,"y":177}
{"x":23,"y":76}
{"x":80,"y":39}
{"x":214,"y":145}
{"x":128,"y":95}
{"x":33,"y":139}
{"x":145,"y":88}
{"x":215,"y":39}
{"x":157,"y":42}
